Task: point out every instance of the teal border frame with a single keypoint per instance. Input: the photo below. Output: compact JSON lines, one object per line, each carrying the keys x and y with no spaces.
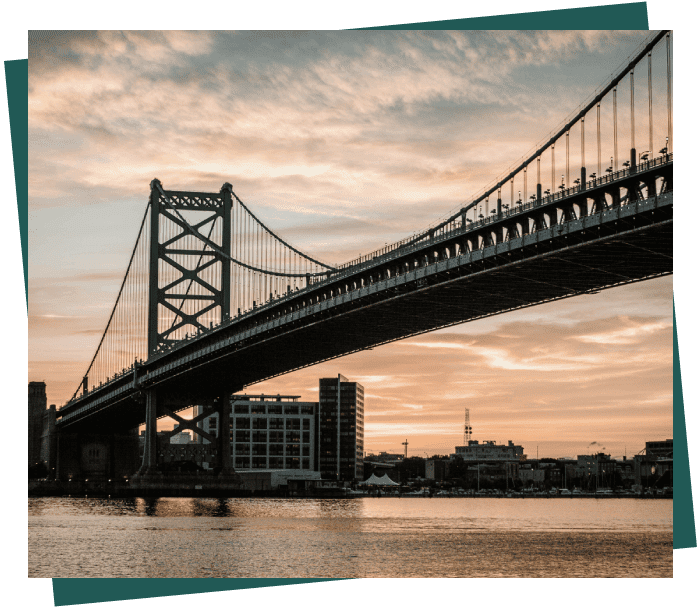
{"x":439,"y":14}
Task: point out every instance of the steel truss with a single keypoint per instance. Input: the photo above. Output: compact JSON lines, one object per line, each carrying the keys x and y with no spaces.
{"x":211,"y":297}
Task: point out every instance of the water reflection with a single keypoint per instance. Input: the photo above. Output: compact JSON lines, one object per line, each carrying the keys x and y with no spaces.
{"x":236,"y":537}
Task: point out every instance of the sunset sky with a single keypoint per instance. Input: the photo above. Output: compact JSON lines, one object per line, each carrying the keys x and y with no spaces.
{"x":342,"y":142}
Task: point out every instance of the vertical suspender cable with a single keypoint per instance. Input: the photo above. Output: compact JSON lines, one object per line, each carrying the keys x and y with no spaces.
{"x":668,"y":93}
{"x":598,"y":139}
{"x":632,"y":117}
{"x":615,"y":129}
{"x":583,"y":161}
{"x":567,"y":156}
{"x":552,"y":169}
{"x":525,"y":196}
{"x":649,"y":93}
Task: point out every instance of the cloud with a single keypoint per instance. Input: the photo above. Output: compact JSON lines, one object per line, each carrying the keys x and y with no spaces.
{"x":626,"y":335}
{"x":340,"y":141}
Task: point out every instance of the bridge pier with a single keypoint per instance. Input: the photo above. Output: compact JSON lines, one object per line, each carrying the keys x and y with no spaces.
{"x":153,"y":479}
{"x":224,"y":456}
{"x":150,"y":453}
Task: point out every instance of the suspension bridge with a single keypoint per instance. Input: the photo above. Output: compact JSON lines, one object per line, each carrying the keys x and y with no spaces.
{"x":214,"y":300}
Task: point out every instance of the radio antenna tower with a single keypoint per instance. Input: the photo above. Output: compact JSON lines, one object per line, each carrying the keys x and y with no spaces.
{"x":467,"y":429}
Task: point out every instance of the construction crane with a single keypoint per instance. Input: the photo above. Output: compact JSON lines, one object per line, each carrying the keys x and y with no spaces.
{"x":405,"y":444}
{"x":467,"y":429}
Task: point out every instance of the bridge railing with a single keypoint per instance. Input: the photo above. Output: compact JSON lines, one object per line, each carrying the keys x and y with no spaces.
{"x":387,"y":253}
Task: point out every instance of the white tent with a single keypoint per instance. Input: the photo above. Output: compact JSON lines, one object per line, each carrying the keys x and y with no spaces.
{"x":379,"y":481}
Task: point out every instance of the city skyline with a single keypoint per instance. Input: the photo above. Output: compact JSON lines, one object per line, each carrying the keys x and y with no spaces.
{"x":341,"y":142}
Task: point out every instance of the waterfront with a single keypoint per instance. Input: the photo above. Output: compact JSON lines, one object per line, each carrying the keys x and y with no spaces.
{"x":363,"y":537}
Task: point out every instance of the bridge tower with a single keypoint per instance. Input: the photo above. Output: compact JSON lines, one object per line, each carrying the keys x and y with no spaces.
{"x":189,"y":282}
{"x":178,"y":247}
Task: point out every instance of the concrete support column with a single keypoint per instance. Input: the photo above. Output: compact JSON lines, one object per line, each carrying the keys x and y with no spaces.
{"x":224,"y":457}
{"x":150,"y":452}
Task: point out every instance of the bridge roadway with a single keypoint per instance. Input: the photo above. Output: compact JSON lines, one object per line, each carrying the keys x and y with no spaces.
{"x":454,"y":277}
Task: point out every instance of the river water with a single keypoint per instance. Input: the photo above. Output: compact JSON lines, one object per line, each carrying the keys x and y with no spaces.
{"x":354,"y":538}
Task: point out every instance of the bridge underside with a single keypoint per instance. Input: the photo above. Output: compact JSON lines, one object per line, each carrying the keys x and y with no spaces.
{"x":567,"y":263}
{"x":498,"y":285}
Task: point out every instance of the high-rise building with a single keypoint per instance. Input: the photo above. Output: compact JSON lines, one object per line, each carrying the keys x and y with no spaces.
{"x":279,"y":432}
{"x":270,"y":432}
{"x":37,"y":408}
{"x":341,"y":429}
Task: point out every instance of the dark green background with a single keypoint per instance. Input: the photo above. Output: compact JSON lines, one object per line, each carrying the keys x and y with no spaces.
{"x":662,"y":14}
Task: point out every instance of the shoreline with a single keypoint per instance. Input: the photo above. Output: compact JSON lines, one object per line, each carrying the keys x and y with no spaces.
{"x":119,"y":493}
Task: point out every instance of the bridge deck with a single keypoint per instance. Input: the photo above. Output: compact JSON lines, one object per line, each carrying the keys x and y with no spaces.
{"x":620,"y":245}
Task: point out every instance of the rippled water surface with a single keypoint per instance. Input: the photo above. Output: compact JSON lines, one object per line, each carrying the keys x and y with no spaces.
{"x":363,"y":537}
